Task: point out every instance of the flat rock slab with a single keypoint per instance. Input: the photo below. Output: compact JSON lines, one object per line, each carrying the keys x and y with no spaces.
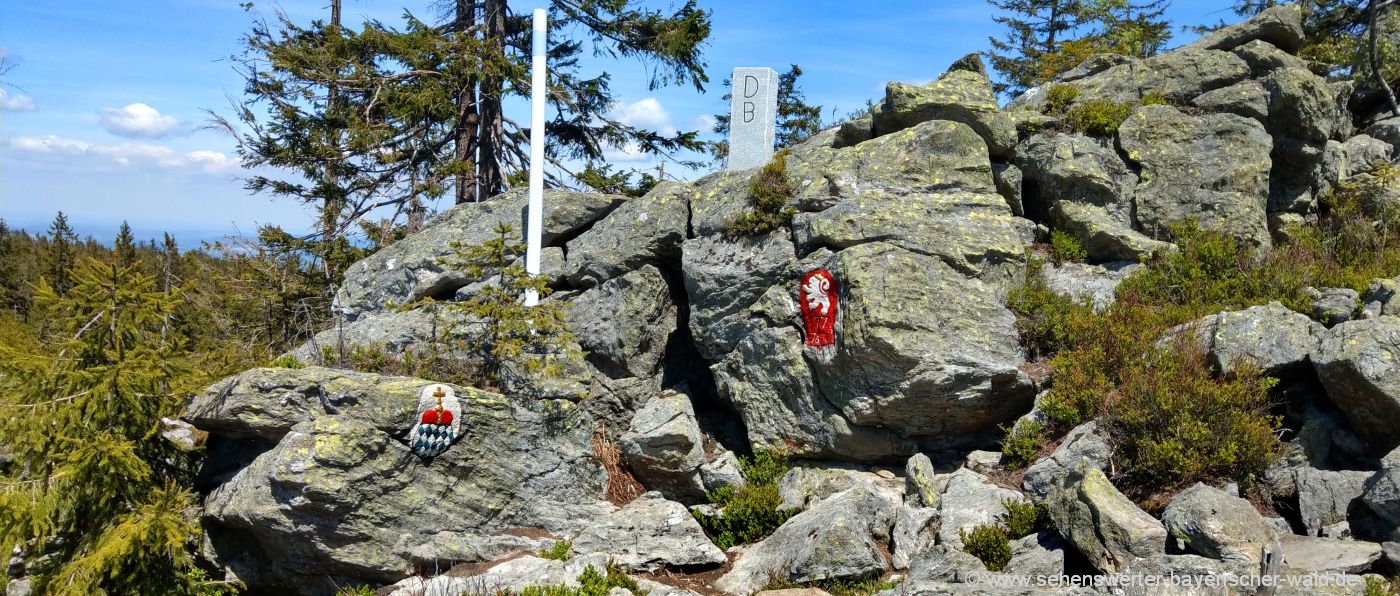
{"x":651,"y":533}
{"x":1305,"y":554}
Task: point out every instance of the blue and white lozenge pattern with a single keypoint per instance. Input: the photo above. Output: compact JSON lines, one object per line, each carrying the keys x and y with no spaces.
{"x":430,"y":440}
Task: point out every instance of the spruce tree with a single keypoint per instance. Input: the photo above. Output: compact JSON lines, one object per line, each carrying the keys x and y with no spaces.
{"x":516,"y":340}
{"x":124,"y":247}
{"x":797,"y":121}
{"x":418,"y":110}
{"x":94,"y":494}
{"x":1035,"y":29}
{"x":170,"y":273}
{"x":62,"y":254}
{"x":10,"y":282}
{"x":1046,"y":38}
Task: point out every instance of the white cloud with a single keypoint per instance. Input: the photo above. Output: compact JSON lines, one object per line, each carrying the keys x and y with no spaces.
{"x":703,"y":123}
{"x":628,"y":153}
{"x":56,"y":148}
{"x":646,"y":113}
{"x":16,"y":103}
{"x":139,"y":121}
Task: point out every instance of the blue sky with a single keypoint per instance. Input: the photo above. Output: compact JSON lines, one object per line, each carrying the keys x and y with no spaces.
{"x":103,"y":114}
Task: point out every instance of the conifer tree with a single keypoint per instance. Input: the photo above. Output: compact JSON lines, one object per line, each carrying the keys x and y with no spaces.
{"x":418,"y":110}
{"x":62,"y":254}
{"x":170,"y":273}
{"x":124,"y":247}
{"x":10,"y":282}
{"x":1045,"y":38}
{"x":1035,"y":29}
{"x":94,"y":494}
{"x":516,"y":339}
{"x":797,"y":121}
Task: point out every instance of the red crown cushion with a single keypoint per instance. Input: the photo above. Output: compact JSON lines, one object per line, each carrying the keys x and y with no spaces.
{"x":431,"y":416}
{"x":446,"y":418}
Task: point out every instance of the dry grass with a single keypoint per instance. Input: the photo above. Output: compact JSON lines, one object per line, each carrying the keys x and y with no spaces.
{"x":622,"y":486}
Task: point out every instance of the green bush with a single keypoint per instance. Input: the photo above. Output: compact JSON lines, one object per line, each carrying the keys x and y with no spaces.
{"x":1065,"y":249}
{"x":591,"y":583}
{"x":863,"y":585}
{"x":1109,"y":365}
{"x":1042,"y":315}
{"x":1058,"y":98}
{"x":1024,"y":517}
{"x":1098,"y":117}
{"x":1213,"y":271}
{"x":750,"y":512}
{"x":561,"y":550}
{"x":286,"y":361}
{"x":989,"y":544}
{"x":1022,"y":444}
{"x":1170,"y":418}
{"x":1154,"y":99}
{"x":1175,"y":423}
{"x":769,"y":191}
{"x":517,"y":340}
{"x":360,"y":590}
{"x":765,"y":467}
{"x":1382,"y":586}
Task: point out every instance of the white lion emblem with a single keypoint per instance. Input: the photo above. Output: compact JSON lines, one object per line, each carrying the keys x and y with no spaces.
{"x":815,"y":291}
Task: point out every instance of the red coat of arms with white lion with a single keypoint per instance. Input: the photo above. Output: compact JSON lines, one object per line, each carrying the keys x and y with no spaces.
{"x":817,"y":297}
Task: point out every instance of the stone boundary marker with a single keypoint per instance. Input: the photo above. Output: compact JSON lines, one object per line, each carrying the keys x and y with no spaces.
{"x":753,"y":117}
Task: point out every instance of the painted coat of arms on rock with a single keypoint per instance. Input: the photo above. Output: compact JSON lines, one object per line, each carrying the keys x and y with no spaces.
{"x":817,"y":297}
{"x":438,"y":423}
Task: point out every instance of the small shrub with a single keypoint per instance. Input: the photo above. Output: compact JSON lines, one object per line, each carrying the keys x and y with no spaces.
{"x":561,"y":550}
{"x":1098,"y":117}
{"x":286,"y":361}
{"x":1024,"y":518}
{"x":1213,"y":271}
{"x":769,"y":191}
{"x":989,"y":544}
{"x":863,"y":585}
{"x":1382,"y":586}
{"x":591,"y":582}
{"x":1058,"y":97}
{"x":765,"y":467}
{"x":1174,"y":423}
{"x":1154,"y":99}
{"x":1022,"y":444}
{"x":1065,"y":249}
{"x":360,"y":590}
{"x":749,"y":512}
{"x":516,"y":340}
{"x":1043,"y":316}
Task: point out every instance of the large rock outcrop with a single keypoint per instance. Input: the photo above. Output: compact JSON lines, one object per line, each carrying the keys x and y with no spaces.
{"x":412,"y":268}
{"x":1212,"y":169}
{"x":1359,"y":363}
{"x":339,"y":493}
{"x":923,"y":212}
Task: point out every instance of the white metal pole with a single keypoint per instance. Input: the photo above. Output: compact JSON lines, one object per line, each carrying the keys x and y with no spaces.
{"x":535,"y":219}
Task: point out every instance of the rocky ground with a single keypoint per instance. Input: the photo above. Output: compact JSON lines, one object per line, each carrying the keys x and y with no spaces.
{"x":923,"y":212}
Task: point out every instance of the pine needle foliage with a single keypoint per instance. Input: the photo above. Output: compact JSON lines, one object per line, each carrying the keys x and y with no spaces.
{"x":1045,"y":38}
{"x":516,"y":340}
{"x":92,"y":488}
